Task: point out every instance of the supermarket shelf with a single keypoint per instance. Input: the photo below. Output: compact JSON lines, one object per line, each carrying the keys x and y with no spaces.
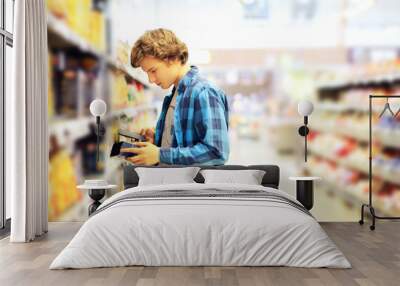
{"x":337,"y":107}
{"x":352,"y":195}
{"x":361,"y":167}
{"x":60,"y":35}
{"x":134,"y":110}
{"x":358,"y":134}
{"x":64,"y":36}
{"x":133,"y":73}
{"x":379,"y":79}
{"x":77,"y":127}
{"x":385,"y":136}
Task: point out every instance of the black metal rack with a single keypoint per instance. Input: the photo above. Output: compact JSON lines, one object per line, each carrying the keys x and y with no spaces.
{"x":369,"y":205}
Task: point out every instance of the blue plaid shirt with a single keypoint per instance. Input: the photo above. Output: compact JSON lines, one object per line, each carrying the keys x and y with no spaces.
{"x":200,"y":129}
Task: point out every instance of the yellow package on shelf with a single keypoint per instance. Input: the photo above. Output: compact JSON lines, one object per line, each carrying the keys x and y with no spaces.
{"x":78,"y":16}
{"x":57,"y":8}
{"x":119,"y":97}
{"x":62,"y":184}
{"x":97,"y":28}
{"x":94,"y":33}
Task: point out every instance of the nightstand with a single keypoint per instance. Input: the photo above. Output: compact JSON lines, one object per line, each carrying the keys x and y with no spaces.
{"x":305,"y":190}
{"x":96,"y":190}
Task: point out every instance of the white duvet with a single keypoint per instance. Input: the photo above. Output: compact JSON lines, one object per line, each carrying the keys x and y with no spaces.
{"x":200,"y":231}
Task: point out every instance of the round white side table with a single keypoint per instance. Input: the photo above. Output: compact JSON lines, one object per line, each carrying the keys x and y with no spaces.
{"x":96,"y":193}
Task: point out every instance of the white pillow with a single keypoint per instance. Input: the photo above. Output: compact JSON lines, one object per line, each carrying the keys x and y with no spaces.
{"x":248,"y":177}
{"x":163,"y":176}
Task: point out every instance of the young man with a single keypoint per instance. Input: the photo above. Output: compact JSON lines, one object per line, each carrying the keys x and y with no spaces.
{"x":193,"y":124}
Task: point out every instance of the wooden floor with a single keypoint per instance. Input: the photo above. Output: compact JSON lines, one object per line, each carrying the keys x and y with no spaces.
{"x":375,"y":257}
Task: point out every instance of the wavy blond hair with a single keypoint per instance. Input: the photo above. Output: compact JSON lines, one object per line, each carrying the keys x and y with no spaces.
{"x":160,"y":43}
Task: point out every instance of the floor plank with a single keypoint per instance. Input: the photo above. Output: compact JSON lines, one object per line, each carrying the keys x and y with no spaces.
{"x":375,"y":257}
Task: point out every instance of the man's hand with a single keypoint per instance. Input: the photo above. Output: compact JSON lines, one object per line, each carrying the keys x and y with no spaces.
{"x":148,"y":134}
{"x":147,"y":154}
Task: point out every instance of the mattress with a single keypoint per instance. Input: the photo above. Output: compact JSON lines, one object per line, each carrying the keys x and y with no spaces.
{"x":201,"y":225}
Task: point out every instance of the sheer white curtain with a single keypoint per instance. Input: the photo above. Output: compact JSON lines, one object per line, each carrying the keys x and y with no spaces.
{"x":26,"y":123}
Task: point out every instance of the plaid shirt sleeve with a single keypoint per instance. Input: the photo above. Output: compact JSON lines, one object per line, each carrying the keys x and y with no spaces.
{"x":210,"y":133}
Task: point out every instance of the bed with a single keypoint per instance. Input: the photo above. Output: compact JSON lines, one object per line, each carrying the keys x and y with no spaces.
{"x":201,"y":224}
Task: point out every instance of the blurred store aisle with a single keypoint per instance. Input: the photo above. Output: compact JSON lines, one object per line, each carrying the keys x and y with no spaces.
{"x":327,"y":205}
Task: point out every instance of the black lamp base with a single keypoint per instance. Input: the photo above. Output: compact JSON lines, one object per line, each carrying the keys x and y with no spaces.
{"x":96,"y":195}
{"x":305,"y":193}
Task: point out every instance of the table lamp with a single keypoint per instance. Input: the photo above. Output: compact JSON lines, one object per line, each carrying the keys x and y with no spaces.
{"x":98,"y":108}
{"x":305,"y":108}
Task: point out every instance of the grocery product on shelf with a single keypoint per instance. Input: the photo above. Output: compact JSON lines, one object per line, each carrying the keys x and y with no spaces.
{"x":119,"y":89}
{"x":365,"y":75}
{"x":143,"y":119}
{"x":62,"y":181}
{"x":341,"y":125}
{"x":97,"y":29}
{"x":86,"y":146}
{"x":123,"y":52}
{"x":74,"y":84}
{"x":83,"y":19}
{"x":57,"y":7}
{"x":353,"y":186}
{"x":127,"y":93}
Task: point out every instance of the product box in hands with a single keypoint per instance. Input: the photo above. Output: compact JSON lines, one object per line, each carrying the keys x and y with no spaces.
{"x":127,"y":139}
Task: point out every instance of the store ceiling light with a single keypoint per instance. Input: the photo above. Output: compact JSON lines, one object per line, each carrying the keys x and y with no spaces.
{"x":247,"y":2}
{"x":356,"y":7}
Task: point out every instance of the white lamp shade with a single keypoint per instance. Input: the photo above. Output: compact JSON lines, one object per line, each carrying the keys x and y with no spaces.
{"x":98,"y":107}
{"x":305,"y":107}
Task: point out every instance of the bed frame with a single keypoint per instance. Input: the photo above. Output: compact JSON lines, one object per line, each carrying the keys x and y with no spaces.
{"x":270,"y":179}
